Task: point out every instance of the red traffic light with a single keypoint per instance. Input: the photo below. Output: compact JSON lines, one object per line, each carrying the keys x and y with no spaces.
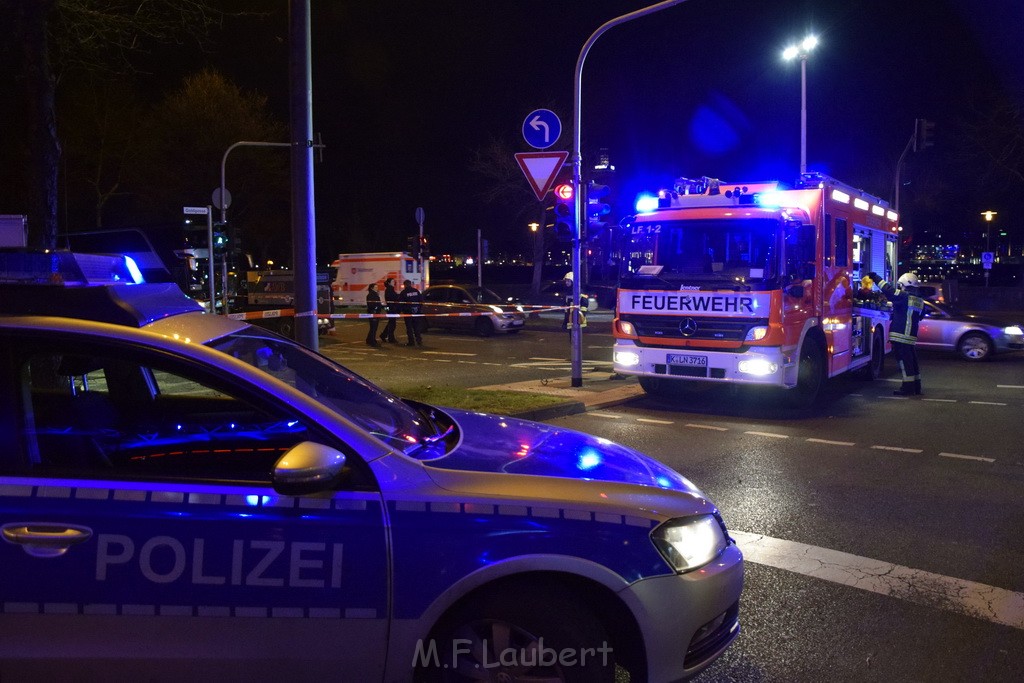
{"x":563,"y":191}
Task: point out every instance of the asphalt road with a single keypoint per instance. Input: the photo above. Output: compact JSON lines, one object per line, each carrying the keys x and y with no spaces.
{"x":883,"y":535}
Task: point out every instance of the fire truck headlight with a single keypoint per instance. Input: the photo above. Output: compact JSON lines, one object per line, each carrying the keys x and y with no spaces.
{"x":755,"y":333}
{"x":688,"y":544}
{"x":627,"y":359}
{"x":757,"y":366}
{"x":627,"y":328}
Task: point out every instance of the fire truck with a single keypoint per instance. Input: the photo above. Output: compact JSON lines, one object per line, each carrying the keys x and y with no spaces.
{"x":754,"y":284}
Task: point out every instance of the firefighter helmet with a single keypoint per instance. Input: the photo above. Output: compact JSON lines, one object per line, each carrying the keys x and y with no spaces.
{"x":568,"y":276}
{"x":908,"y":280}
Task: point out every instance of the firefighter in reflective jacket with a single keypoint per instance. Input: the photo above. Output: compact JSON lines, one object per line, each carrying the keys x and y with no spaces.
{"x":567,"y":320}
{"x":907,"y":307}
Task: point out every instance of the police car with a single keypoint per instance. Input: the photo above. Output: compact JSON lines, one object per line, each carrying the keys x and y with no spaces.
{"x":182,"y":494}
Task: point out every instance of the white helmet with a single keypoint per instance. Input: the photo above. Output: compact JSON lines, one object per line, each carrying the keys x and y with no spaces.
{"x":908,"y":280}
{"x":568,"y":276}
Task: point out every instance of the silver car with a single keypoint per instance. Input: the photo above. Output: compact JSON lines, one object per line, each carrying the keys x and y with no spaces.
{"x":470,"y":309}
{"x":974,"y":336}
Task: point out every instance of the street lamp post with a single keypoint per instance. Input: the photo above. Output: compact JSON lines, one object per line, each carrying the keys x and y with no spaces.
{"x":801,"y":52}
{"x":989,"y":215}
{"x":575,"y":334}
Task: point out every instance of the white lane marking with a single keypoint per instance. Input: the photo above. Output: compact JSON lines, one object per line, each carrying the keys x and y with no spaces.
{"x":608,"y":415}
{"x":770,"y":434}
{"x":940,"y":400}
{"x":1010,"y":386}
{"x":448,"y":353}
{"x":969,"y":598}
{"x":894,"y":398}
{"x":712,"y":427}
{"x":987,"y":403}
{"x":897,"y":449}
{"x":558,"y":360}
{"x":832,"y":443}
{"x":655,"y":422}
{"x":966,"y":457}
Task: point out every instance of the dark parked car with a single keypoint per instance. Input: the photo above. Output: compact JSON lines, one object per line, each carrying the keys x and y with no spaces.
{"x":472,"y":309}
{"x":975,"y":336}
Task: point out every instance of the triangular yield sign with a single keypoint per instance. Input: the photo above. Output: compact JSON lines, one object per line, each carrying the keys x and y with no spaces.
{"x":541,"y":168}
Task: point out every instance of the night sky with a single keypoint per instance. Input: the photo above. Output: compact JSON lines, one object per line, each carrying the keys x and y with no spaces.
{"x":405,"y":92}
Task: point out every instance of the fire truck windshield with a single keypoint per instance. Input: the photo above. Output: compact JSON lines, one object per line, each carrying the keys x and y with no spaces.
{"x":710,"y":253}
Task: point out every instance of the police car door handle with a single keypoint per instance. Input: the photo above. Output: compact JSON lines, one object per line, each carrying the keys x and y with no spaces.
{"x":42,"y":539}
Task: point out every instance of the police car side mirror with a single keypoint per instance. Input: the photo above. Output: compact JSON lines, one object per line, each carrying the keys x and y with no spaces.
{"x":307,"y":467}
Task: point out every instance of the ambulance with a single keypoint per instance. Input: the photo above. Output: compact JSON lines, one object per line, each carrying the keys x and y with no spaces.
{"x":354,"y":272}
{"x":755,"y":284}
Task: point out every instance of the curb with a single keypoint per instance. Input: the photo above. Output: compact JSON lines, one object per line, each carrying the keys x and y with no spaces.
{"x":551,"y":412}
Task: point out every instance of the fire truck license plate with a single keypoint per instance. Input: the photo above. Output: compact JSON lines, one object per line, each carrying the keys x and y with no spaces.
{"x":687,"y":359}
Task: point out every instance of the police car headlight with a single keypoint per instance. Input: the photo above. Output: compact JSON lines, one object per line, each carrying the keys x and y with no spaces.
{"x":756,"y":333}
{"x":497,"y":309}
{"x":690,"y":543}
{"x":627,"y":358}
{"x":1013,"y":330}
{"x":757,"y":366}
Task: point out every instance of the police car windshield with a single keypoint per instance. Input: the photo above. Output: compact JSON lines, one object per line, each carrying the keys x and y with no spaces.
{"x":380,"y":413}
{"x":709,"y":251}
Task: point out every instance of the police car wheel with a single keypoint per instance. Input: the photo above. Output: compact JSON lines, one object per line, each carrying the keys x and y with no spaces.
{"x":515,"y":636}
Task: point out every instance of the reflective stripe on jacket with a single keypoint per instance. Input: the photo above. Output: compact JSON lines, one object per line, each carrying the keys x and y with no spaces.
{"x":906,"y":313}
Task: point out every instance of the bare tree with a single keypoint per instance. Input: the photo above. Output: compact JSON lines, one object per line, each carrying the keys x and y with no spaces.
{"x":56,"y":36}
{"x":180,"y":151}
{"x":505,"y":185}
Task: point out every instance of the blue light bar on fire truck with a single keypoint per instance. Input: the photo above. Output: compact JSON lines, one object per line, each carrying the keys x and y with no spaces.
{"x":66,"y":268}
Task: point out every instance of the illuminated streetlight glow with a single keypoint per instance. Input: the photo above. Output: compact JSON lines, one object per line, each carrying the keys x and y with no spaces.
{"x":801,"y":52}
{"x":533,"y":226}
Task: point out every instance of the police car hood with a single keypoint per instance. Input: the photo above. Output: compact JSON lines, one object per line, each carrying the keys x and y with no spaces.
{"x":496,"y":444}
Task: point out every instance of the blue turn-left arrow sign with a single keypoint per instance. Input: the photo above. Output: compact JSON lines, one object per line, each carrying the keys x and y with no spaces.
{"x":541,"y":128}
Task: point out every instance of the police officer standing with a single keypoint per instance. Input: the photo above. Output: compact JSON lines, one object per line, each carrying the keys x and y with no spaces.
{"x":412,"y":304}
{"x":373,"y":307}
{"x":391,"y":306}
{"x":907,"y":308}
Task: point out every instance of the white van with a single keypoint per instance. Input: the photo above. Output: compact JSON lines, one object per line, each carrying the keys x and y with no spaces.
{"x":354,"y":272}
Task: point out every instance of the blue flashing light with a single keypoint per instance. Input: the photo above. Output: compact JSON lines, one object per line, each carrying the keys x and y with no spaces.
{"x":589,"y":460}
{"x":133,"y":270}
{"x":646,"y":203}
{"x":768,"y":200}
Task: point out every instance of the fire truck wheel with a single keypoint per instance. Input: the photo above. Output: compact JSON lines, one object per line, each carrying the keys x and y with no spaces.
{"x":652,"y":386}
{"x":876,"y":367}
{"x":811,"y":375}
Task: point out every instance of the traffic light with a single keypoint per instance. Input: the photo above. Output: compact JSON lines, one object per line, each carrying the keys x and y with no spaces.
{"x":220,"y":237}
{"x":424,"y":247}
{"x":596,"y":208}
{"x":565,"y":212}
{"x":924,"y":131}
{"x":412,"y":245}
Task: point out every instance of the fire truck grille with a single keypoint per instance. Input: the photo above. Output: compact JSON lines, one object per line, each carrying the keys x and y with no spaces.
{"x":713,"y":329}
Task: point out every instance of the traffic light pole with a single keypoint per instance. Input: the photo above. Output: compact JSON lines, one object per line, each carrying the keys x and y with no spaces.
{"x":576,"y":336}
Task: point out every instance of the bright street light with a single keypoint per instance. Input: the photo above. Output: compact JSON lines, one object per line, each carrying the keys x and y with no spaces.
{"x":801,"y":52}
